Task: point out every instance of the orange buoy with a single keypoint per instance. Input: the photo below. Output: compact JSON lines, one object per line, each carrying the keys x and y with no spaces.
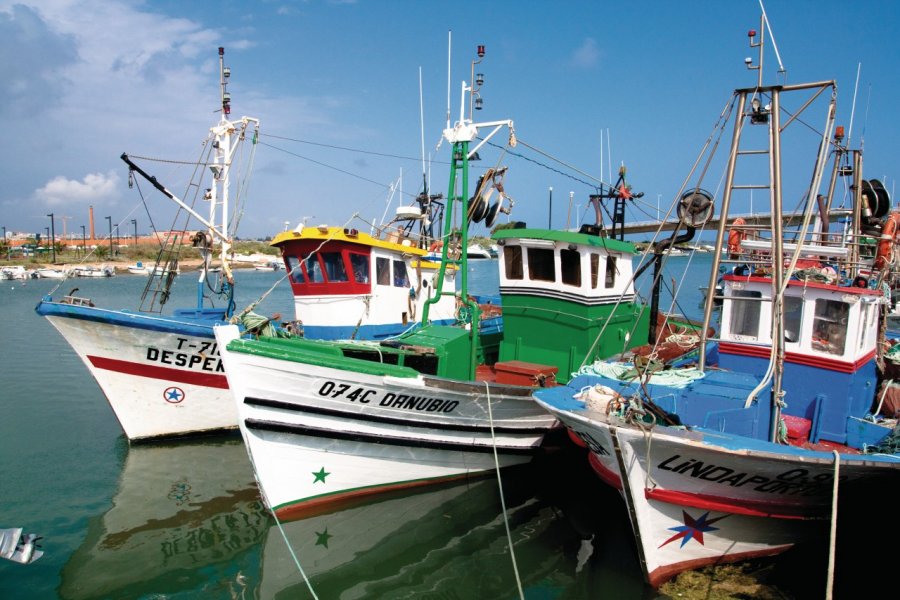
{"x":886,"y":242}
{"x":736,"y":235}
{"x":435,"y":246}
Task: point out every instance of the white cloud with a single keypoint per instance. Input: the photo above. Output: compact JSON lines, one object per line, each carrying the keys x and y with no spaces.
{"x":95,"y":187}
{"x":587,"y":55}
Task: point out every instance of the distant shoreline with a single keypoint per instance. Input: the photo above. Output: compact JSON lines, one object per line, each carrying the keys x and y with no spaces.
{"x":192,"y":264}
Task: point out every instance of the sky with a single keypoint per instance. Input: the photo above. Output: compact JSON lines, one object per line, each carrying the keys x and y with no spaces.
{"x":335,"y":83}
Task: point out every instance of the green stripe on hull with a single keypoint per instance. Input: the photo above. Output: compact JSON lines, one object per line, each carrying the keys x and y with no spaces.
{"x":555,"y":332}
{"x":325,"y":355}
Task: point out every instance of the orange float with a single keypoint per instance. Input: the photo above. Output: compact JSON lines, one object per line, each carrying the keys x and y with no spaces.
{"x":886,"y":243}
{"x":736,"y":235}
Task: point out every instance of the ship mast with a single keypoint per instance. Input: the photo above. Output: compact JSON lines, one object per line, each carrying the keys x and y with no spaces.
{"x":460,"y":135}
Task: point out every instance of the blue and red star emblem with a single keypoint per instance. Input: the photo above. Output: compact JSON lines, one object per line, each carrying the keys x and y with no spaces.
{"x":693,"y":529}
{"x":173,"y":395}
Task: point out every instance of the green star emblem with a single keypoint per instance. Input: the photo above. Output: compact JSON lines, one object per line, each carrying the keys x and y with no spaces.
{"x":323,"y":537}
{"x":320,"y":475}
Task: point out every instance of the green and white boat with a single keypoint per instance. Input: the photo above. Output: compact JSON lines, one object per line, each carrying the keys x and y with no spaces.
{"x":327,"y":423}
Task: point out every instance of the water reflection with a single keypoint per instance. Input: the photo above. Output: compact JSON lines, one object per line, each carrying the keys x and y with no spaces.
{"x":451,"y":543}
{"x":185,"y":516}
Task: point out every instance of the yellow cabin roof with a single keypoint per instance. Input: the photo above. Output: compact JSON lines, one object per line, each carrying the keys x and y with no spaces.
{"x":343,"y":235}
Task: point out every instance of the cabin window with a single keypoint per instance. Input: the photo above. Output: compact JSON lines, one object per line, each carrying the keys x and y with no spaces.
{"x":401,"y":279}
{"x":314,"y":269}
{"x":360,"y":265}
{"x":866,"y":318}
{"x":383,"y":270}
{"x":334,"y":266}
{"x":570,"y":265}
{"x":540,"y":264}
{"x":595,"y":270}
{"x":830,"y":326}
{"x":793,"y":318}
{"x":610,"y":271}
{"x":512,"y":262}
{"x":294,"y":270}
{"x":745,"y":314}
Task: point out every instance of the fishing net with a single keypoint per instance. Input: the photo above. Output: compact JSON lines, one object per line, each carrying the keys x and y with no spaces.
{"x":260,"y":326}
{"x":677,"y":378}
{"x":889,"y":445}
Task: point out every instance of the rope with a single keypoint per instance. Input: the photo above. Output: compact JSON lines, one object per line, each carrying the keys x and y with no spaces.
{"x":512,"y":554}
{"x":887,"y":386}
{"x":283,"y":534}
{"x":829,"y":588}
{"x":361,"y":316}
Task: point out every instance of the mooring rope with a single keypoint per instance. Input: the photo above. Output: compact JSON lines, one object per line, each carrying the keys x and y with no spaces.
{"x":282,"y":532}
{"x":829,"y":589}
{"x":512,"y":554}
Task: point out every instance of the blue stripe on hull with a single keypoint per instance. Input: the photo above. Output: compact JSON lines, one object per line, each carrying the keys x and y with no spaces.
{"x":185,"y":321}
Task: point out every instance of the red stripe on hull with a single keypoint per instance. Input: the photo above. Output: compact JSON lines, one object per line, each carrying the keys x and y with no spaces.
{"x":753,"y":508}
{"x":608,"y":477}
{"x":344,"y":500}
{"x":152,"y":371}
{"x":808,"y":360}
{"x":663,"y":574}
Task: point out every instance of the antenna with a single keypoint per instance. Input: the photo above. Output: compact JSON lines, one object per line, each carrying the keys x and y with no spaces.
{"x":449,"y":38}
{"x":765,"y":17}
{"x":422,"y":129}
{"x":853,"y":107}
{"x":862,"y":136}
{"x":608,"y":155}
{"x":601,"y":155}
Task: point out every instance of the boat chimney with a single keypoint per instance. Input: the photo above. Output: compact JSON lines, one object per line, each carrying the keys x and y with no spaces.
{"x":91,"y":220}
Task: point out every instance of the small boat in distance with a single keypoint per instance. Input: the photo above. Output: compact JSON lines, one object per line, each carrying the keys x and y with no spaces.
{"x":139,"y":268}
{"x":90,"y":271}
{"x":268,"y":266}
{"x":16,"y":272}
{"x":49,"y":273}
{"x":476,"y":252}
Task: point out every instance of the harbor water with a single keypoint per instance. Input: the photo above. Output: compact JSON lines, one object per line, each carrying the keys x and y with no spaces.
{"x":184,"y":520}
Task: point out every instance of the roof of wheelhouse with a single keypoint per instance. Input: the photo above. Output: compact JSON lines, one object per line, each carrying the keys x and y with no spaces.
{"x":339,"y":234}
{"x":571,"y":237}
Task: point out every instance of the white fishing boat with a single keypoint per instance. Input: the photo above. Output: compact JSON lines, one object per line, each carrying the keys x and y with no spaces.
{"x":139,"y":268}
{"x":161,"y":373}
{"x":15,"y":272}
{"x":49,"y":273}
{"x":92,"y":271}
{"x":440,"y":402}
{"x":156,"y":270}
{"x":266,"y":266}
{"x":474,"y":251}
{"x":748,"y":458}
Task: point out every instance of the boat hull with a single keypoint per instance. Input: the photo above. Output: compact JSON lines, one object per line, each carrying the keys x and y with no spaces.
{"x":700,"y":497}
{"x":320,"y":437}
{"x":162,"y":376}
